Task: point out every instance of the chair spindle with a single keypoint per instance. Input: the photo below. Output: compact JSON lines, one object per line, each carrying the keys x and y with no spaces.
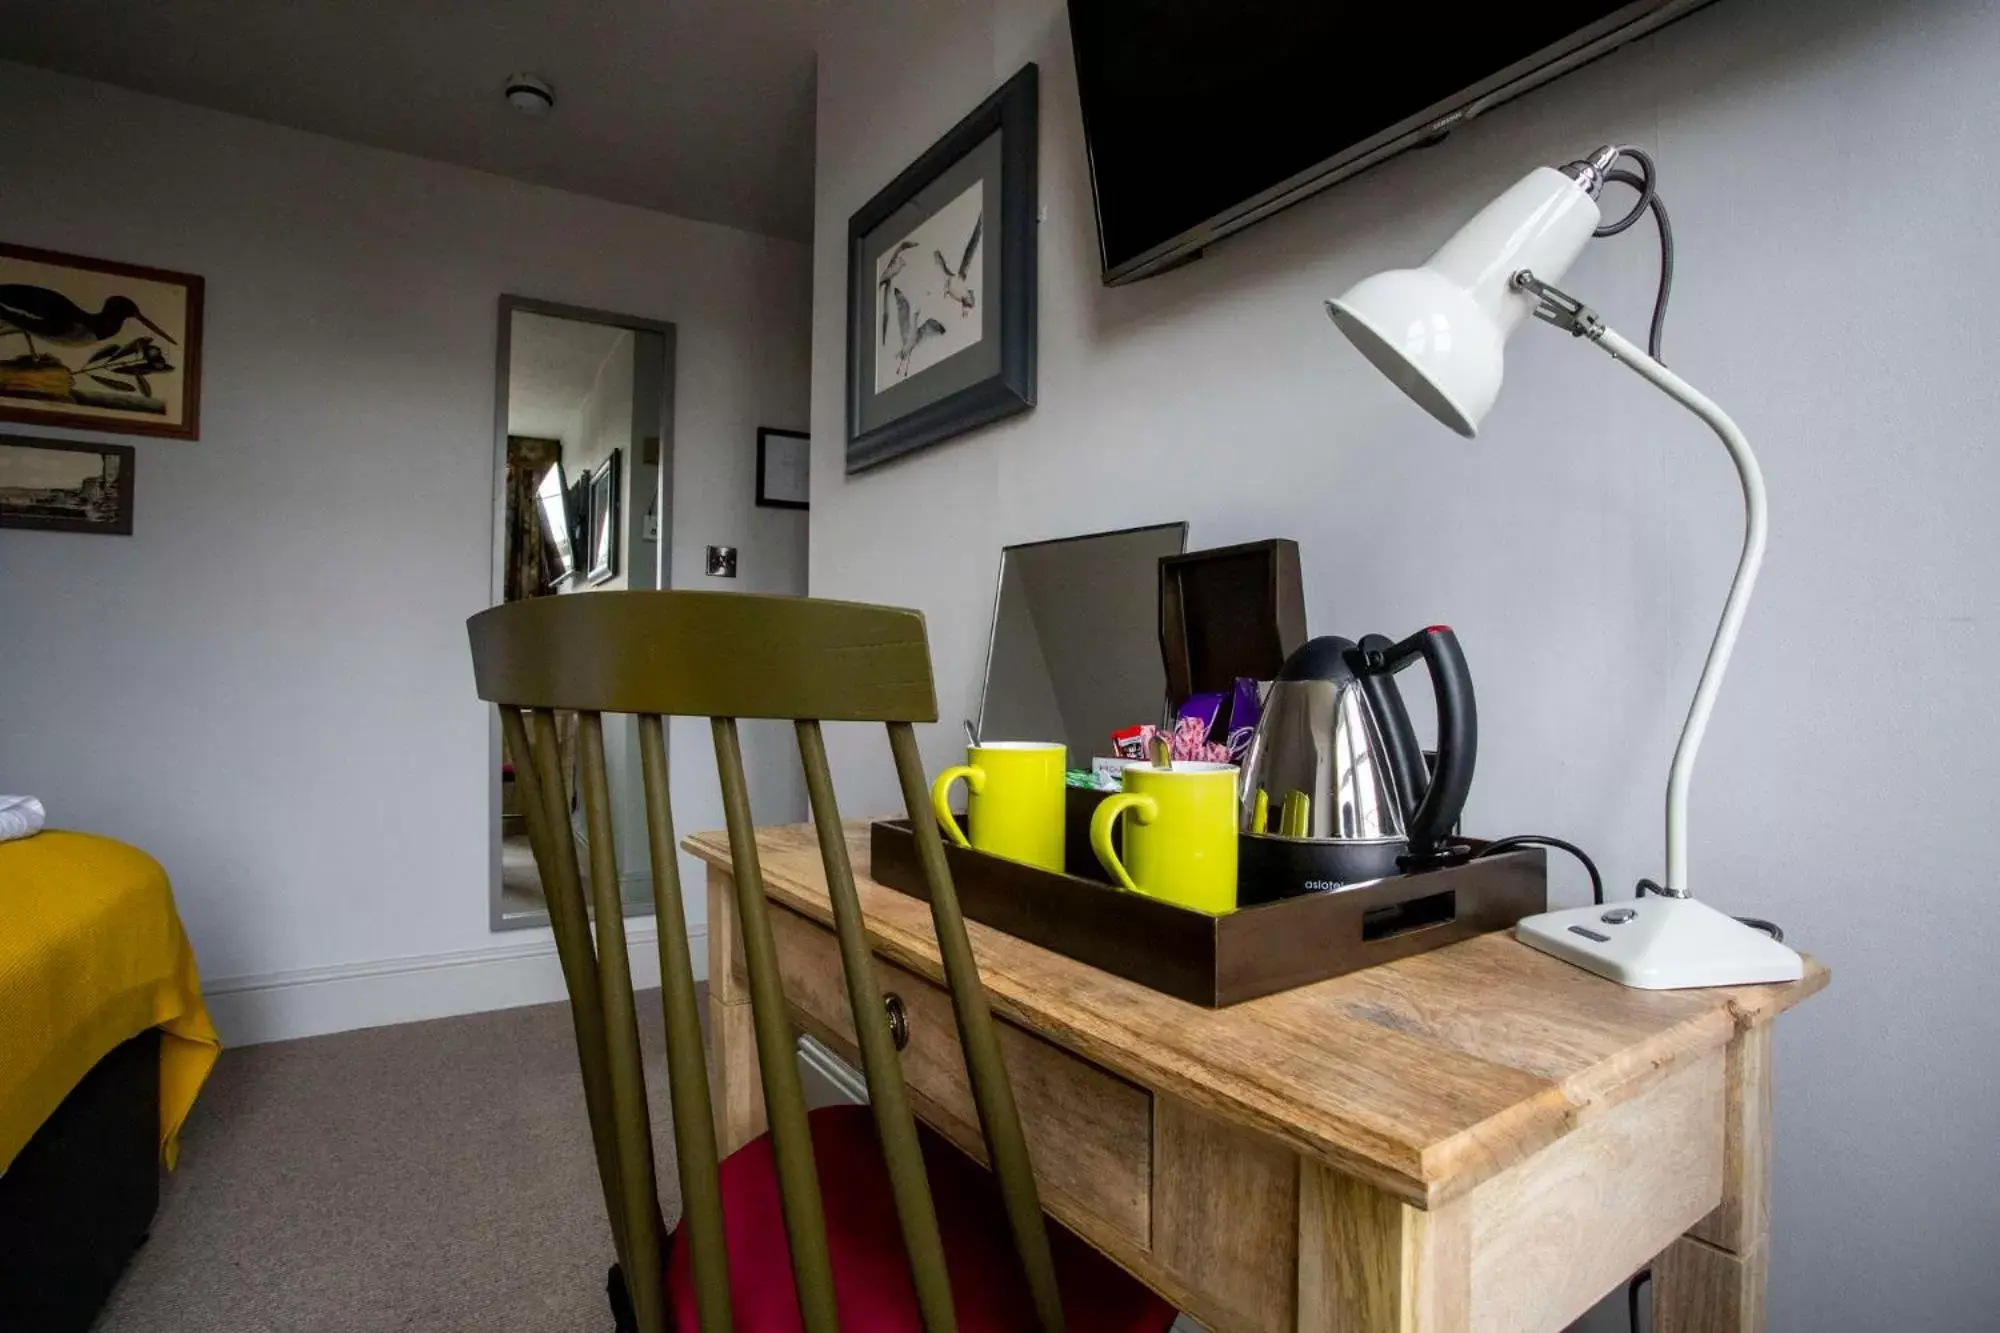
{"x":687,"y":1072}
{"x":784,"y":1097}
{"x":546,"y":802}
{"x":895,"y":1124}
{"x":644,"y":1235}
{"x":999,"y":1118}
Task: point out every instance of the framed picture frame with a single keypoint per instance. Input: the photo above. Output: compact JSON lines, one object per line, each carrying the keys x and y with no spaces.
{"x":66,"y":486}
{"x":603,"y":521}
{"x":99,"y":345}
{"x":579,"y":520}
{"x":941,"y":286}
{"x":784,"y":469}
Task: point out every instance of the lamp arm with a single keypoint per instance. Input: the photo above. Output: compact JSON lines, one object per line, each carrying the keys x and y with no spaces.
{"x":1747,"y":566}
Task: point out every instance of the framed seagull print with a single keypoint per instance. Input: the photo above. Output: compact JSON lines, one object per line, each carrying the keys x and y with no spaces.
{"x":105,"y":346}
{"x":941,"y":286}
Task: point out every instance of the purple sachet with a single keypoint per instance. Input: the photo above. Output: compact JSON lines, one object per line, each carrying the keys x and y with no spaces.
{"x":1206,"y":709}
{"x":1246,"y":707}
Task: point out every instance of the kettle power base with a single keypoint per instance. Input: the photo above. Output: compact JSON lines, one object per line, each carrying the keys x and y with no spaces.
{"x":1658,"y":943}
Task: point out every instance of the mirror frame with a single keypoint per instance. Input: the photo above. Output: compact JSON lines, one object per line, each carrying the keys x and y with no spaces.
{"x":498,"y":919}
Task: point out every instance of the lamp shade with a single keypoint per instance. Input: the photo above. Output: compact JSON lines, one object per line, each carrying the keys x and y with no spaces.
{"x":1438,"y":332}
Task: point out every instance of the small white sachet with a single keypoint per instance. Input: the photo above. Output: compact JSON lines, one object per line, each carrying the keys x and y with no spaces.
{"x":20,"y":817}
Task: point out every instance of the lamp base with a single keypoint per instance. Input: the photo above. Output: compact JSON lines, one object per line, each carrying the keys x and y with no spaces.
{"x":1661,"y":944}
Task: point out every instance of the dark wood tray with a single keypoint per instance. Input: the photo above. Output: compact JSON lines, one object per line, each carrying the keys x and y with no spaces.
{"x":1218,"y":961}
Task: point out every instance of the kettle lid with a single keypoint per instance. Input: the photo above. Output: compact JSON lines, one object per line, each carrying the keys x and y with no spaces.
{"x":1324,"y":658}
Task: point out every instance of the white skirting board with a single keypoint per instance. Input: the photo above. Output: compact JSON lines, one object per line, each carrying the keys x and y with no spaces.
{"x":310,"y":1002}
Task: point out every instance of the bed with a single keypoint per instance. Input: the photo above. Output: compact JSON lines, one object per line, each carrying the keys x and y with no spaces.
{"x":104,"y":1044}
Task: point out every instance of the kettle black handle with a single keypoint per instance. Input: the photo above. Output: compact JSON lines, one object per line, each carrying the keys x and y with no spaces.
{"x":1399,"y":739}
{"x":1445,"y":790}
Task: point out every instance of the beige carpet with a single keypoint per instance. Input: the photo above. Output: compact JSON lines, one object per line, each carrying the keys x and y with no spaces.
{"x":434,"y":1176}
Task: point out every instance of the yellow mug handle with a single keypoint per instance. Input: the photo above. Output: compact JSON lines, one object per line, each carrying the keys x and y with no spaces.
{"x":1145,"y":807}
{"x":975,"y":781}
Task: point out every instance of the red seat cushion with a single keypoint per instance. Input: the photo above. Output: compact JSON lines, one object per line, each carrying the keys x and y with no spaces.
{"x":871,"y":1276}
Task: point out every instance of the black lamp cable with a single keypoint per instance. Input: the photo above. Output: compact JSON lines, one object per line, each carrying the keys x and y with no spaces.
{"x":1770,"y":928}
{"x":1649,"y":200}
{"x":1646,"y":886}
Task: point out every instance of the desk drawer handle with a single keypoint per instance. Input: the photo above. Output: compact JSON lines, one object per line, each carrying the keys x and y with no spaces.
{"x":899,"y":1020}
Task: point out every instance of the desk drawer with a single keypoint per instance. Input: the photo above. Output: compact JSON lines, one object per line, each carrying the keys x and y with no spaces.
{"x":1090,"y":1132}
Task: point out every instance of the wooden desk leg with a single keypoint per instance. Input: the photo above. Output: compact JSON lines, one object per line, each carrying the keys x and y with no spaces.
{"x":735,"y":1085}
{"x":1370,"y":1263}
{"x":1712,"y":1279}
{"x":1698,"y":1288}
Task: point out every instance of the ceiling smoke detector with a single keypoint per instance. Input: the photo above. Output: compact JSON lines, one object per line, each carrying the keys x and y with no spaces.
{"x":529,"y":95}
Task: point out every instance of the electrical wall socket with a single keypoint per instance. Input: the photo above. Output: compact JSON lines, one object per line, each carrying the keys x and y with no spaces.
{"x":722,"y":562}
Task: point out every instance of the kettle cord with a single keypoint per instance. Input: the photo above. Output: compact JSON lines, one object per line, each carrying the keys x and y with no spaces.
{"x":1521,"y":840}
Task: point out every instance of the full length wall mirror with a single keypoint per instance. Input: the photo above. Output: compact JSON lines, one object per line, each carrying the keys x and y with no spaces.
{"x":583,"y":460}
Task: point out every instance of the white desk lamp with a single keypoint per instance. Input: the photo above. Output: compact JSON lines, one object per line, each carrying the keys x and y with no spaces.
{"x":1437,"y":332}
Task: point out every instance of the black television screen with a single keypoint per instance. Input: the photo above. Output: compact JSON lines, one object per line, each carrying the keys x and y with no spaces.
{"x":1203,"y":116}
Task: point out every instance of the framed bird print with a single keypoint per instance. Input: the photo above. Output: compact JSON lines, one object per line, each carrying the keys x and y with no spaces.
{"x":105,"y":346}
{"x":941,"y":286}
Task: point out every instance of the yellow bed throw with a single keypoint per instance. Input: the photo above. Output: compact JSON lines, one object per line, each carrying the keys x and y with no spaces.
{"x":91,"y":955}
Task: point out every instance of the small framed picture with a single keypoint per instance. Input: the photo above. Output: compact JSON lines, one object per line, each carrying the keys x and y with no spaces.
{"x":100,"y":345}
{"x":603,"y":545}
{"x":63,"y":486}
{"x":784,"y":469}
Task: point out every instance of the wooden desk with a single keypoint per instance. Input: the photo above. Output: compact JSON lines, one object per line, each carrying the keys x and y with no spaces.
{"x":1480,"y":1137}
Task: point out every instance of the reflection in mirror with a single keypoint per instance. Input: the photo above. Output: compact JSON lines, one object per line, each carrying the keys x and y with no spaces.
{"x":586,"y":409}
{"x":552,"y":497}
{"x":1075,"y":652}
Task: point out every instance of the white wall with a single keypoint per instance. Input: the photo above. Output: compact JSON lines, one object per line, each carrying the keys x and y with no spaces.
{"x":1826,"y":164}
{"x":771,"y":558}
{"x":268,"y":686}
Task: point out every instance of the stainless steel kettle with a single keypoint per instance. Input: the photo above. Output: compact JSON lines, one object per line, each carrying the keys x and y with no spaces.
{"x":1335,"y":788}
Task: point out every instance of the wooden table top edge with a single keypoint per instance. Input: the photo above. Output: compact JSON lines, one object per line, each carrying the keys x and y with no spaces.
{"x":1432,"y":1175}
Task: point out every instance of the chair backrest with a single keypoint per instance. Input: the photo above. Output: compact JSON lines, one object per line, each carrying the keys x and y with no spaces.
{"x":727,"y":656}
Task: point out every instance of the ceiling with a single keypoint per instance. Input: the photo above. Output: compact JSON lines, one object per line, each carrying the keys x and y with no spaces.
{"x":702,"y":108}
{"x":552,"y":364}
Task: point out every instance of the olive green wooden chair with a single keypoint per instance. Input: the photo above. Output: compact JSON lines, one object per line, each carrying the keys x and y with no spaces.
{"x":729,"y":656}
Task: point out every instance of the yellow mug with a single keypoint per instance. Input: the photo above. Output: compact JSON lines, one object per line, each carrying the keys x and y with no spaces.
{"x":1180,"y":843}
{"x":1015,"y":802}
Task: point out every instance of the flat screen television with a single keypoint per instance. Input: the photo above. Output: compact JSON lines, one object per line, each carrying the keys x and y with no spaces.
{"x":552,"y":496}
{"x":1204,"y":116}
